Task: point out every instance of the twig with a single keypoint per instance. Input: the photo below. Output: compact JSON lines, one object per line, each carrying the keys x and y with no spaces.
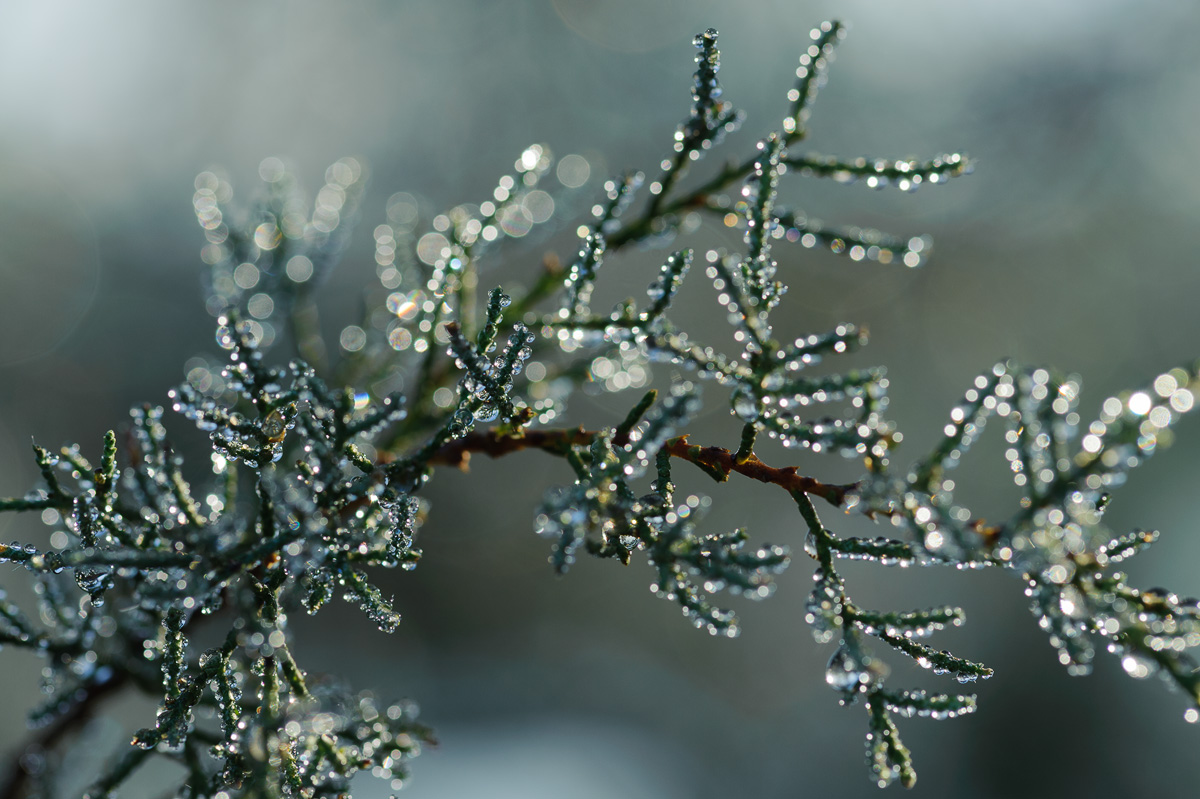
{"x":717,"y":462}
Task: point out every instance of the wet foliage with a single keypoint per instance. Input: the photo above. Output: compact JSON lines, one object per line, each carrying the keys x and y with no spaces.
{"x":318,"y":460}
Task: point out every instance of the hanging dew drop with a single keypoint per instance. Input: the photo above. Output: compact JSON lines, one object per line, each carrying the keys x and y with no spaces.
{"x":773,"y":381}
{"x":846,"y":671}
{"x":487,"y":413}
{"x":1138,"y":666}
{"x":745,"y":404}
{"x":274,"y":427}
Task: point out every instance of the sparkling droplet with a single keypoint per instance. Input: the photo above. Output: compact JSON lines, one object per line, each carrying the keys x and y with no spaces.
{"x":274,"y":427}
{"x":1138,"y":666}
{"x":745,"y":404}
{"x":852,"y":671}
{"x":487,"y":413}
{"x":773,"y":381}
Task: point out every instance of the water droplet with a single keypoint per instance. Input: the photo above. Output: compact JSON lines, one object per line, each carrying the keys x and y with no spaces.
{"x":773,"y":381}
{"x":745,"y":404}
{"x":851,"y":670}
{"x":1138,"y":666}
{"x":487,"y":413}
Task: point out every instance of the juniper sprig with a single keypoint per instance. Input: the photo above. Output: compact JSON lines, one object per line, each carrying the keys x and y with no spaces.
{"x":319,"y":461}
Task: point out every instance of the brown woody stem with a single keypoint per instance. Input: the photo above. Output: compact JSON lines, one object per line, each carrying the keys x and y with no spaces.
{"x":717,"y":462}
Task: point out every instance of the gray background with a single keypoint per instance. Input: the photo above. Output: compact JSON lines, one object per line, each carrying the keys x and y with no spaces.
{"x":1072,"y":245}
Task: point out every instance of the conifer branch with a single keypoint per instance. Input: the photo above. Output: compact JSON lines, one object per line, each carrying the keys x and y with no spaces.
{"x":717,"y":462}
{"x":318,"y":473}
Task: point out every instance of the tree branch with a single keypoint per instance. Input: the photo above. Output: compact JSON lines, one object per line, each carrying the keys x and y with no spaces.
{"x":717,"y":462}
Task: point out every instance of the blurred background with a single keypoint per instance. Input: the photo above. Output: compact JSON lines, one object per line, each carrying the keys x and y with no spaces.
{"x":1072,"y":245}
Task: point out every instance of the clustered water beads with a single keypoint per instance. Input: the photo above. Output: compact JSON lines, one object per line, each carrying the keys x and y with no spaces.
{"x":317,"y":463}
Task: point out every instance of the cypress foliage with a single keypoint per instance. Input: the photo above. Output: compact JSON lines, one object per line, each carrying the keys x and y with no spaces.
{"x":318,"y":470}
